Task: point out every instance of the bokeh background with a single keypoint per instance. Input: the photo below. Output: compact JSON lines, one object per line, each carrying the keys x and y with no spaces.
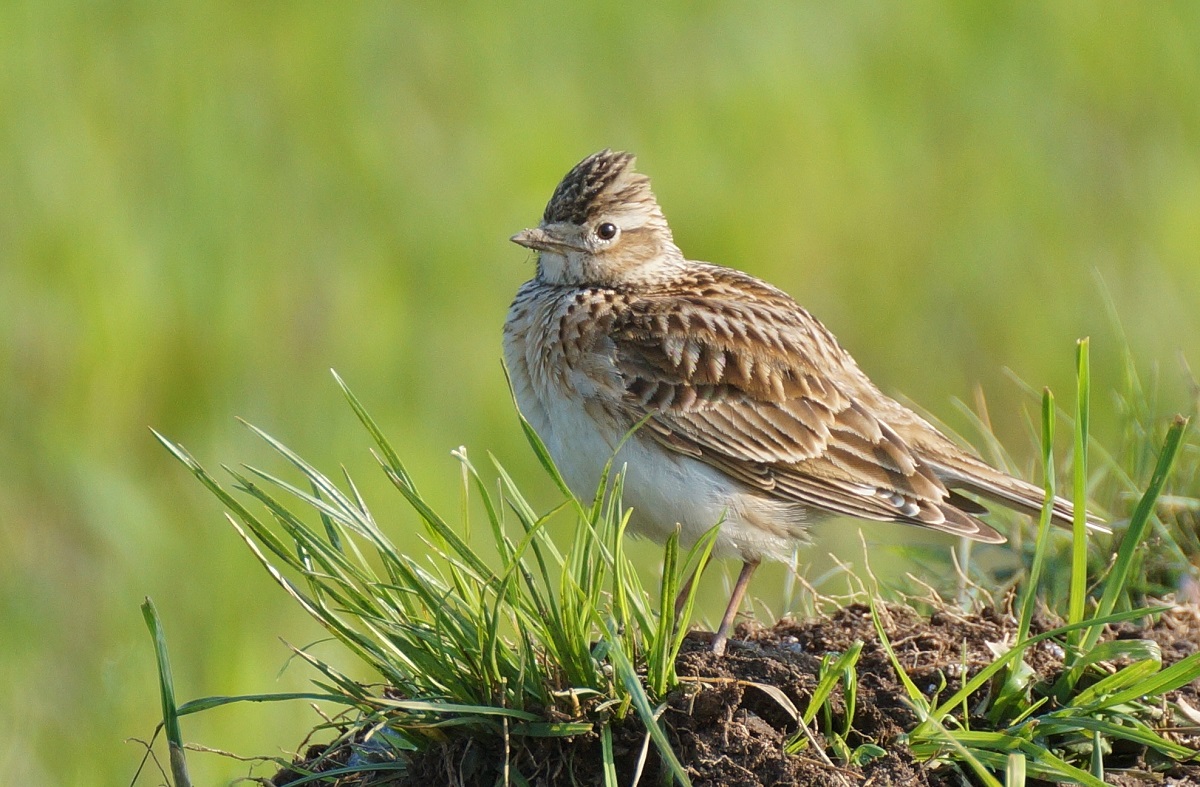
{"x":204,"y":207}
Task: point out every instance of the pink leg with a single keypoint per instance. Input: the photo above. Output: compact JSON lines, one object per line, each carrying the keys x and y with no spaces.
{"x":735,"y":601}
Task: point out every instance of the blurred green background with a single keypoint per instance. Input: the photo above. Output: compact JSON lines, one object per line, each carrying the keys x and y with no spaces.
{"x":204,"y":207}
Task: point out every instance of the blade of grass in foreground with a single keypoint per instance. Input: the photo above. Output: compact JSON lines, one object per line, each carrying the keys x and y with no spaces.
{"x":641,"y":702}
{"x":166,"y":688}
{"x":1011,"y":697}
{"x":606,"y":755}
{"x":1014,"y":772}
{"x":1079,"y":519}
{"x":1115,"y":582}
{"x":1043,"y":535}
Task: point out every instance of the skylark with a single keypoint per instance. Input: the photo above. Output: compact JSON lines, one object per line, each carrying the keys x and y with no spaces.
{"x":754,"y":415}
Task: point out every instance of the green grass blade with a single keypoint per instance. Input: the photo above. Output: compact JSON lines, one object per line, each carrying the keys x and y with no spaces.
{"x":390,"y":456}
{"x":166,"y":690}
{"x":324,"y":777}
{"x":1179,"y":674}
{"x":608,"y":761}
{"x":1115,"y":582}
{"x":1130,"y":730}
{"x":208,"y":703}
{"x":972,"y":748}
{"x":919,"y":701}
{"x":535,"y":441}
{"x":1014,"y":773}
{"x":1100,"y":694}
{"x":331,"y":531}
{"x":697,"y":560}
{"x":633,"y":685}
{"x":229,"y":501}
{"x":829,"y":679}
{"x":547,"y":729}
{"x":1029,"y":600}
{"x":993,"y":749}
{"x":850,"y":692}
{"x":440,"y":708}
{"x":1079,"y":540}
{"x":660,"y":666}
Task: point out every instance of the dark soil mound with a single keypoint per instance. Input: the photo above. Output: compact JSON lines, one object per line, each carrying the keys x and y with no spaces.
{"x":728,"y":727}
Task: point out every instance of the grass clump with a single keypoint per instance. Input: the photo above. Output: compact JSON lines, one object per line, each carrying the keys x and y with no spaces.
{"x":545,"y":643}
{"x":1003,"y":718}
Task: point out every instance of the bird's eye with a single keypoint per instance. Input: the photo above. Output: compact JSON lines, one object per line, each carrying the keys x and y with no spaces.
{"x":606,"y":231}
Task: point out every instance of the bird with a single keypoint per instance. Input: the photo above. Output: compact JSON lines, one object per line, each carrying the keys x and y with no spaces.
{"x":725,"y":400}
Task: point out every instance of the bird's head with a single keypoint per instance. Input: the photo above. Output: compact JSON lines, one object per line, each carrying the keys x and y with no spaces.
{"x":602,"y":226}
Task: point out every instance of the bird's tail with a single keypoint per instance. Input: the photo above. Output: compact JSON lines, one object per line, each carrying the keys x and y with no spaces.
{"x":977,"y":477}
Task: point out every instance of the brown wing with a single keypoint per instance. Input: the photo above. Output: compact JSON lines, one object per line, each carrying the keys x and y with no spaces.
{"x":742,"y":378}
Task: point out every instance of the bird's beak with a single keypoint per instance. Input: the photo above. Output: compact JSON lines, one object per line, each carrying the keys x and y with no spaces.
{"x":538,"y":239}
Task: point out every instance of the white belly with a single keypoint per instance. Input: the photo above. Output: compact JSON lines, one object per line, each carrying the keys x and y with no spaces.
{"x":663,"y":488}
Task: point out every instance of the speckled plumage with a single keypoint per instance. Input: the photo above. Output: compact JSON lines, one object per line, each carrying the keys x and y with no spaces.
{"x":754,"y":414}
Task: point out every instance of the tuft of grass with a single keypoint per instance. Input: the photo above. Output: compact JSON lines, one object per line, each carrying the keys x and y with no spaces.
{"x":1058,"y":732}
{"x":543,"y":643}
{"x":835,"y":669}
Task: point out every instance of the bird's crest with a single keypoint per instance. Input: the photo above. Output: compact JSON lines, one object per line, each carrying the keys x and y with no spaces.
{"x":599,"y":181}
